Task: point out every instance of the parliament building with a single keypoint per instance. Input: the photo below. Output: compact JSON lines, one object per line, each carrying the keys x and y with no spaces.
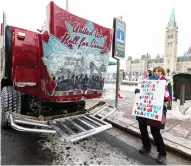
{"x":170,"y":61}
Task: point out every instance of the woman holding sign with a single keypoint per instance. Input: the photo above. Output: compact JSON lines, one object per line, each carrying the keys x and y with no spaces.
{"x":156,"y":126}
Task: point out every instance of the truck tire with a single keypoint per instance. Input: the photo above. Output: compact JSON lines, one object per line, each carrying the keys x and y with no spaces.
{"x":10,"y":102}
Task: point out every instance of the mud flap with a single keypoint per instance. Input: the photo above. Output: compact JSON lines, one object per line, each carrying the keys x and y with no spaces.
{"x":75,"y":128}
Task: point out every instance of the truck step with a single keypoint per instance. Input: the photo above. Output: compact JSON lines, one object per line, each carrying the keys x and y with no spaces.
{"x":79,"y":127}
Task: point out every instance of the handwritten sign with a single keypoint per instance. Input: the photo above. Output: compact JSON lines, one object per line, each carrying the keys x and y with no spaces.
{"x":149,"y":102}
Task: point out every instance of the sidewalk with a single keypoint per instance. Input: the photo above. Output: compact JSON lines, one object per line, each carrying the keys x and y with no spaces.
{"x":177,"y":133}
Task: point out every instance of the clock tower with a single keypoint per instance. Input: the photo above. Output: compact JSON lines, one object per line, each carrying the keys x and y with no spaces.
{"x":171,"y":43}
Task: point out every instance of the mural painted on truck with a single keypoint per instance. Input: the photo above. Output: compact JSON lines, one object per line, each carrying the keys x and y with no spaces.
{"x":78,"y":60}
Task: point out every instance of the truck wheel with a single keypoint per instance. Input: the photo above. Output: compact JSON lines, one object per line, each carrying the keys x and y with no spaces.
{"x":10,"y":102}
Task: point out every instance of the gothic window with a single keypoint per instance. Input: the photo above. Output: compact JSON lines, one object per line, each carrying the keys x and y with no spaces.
{"x":170,"y":36}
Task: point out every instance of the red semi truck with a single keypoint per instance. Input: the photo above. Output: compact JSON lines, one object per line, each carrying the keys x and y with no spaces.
{"x":47,"y":77}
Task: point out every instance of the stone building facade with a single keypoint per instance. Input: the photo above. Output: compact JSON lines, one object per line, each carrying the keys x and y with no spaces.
{"x":170,"y":61}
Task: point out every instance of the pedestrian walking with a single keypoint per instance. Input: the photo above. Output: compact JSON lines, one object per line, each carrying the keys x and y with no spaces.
{"x":158,"y":74}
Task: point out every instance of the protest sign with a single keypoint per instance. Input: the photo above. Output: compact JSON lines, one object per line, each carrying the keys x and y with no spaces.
{"x":149,"y":102}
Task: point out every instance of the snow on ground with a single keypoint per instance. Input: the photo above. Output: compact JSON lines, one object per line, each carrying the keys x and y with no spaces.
{"x":122,"y":87}
{"x":129,"y":81}
{"x":91,"y":151}
{"x":128,"y":88}
{"x":180,"y":112}
{"x":109,"y":90}
{"x":177,"y":114}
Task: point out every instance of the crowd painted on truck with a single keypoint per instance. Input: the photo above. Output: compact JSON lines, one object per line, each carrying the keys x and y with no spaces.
{"x":79,"y":82}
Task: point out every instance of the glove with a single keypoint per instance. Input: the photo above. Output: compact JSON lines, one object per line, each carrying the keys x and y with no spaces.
{"x":137,"y":90}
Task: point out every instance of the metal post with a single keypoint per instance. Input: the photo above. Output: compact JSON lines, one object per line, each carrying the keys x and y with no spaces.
{"x":4,"y":26}
{"x":182,"y":95}
{"x":118,"y":22}
{"x":67,"y":5}
{"x":117,"y":83}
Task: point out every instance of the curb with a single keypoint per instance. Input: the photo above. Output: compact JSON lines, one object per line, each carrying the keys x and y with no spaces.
{"x":169,"y":146}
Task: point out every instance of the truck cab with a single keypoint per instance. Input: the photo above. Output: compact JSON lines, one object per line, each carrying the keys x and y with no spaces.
{"x":47,"y":77}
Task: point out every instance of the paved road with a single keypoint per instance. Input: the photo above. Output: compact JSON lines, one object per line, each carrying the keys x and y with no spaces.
{"x":113,"y":147}
{"x":20,"y":148}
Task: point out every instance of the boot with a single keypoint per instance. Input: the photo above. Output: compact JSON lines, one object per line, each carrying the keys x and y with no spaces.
{"x":144,"y":150}
{"x":161,"y":159}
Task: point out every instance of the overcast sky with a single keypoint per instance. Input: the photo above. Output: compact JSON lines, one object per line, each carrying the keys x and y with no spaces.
{"x":146,"y":19}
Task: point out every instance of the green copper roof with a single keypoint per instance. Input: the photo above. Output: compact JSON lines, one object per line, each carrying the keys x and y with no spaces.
{"x":172,"y":21}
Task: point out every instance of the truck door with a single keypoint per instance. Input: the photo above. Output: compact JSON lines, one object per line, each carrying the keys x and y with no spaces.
{"x":25,"y":60}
